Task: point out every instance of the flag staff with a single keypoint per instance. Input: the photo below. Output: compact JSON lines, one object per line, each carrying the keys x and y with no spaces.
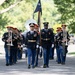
{"x":39,"y":23}
{"x":39,"y":10}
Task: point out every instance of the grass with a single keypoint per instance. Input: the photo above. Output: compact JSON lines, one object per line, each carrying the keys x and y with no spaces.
{"x":72,"y":53}
{"x":0,"y":53}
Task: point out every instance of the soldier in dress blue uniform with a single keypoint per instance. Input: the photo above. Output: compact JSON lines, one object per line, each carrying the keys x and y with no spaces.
{"x":52,"y":48}
{"x":56,"y":40}
{"x":13,"y":45}
{"x":20,"y":44}
{"x":31,"y":41}
{"x":7,"y":50}
{"x":63,"y":41}
{"x":46,"y":42}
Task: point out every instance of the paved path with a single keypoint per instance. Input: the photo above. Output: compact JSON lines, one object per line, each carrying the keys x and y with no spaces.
{"x":55,"y":69}
{"x":21,"y":67}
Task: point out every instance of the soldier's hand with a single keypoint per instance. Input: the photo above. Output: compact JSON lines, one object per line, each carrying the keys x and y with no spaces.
{"x":8,"y":40}
{"x":63,"y":41}
{"x":25,"y":48}
{"x":19,"y":46}
{"x":52,"y":45}
{"x":40,"y":47}
{"x":23,"y":45}
{"x":37,"y":46}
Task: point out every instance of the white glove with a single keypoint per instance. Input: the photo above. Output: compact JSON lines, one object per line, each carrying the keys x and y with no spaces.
{"x":23,"y":45}
{"x":52,"y":45}
{"x":37,"y":46}
{"x":41,"y":48}
{"x":25,"y":48}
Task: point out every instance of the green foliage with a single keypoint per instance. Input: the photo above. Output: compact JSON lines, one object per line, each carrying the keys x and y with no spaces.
{"x":67,"y":10}
{"x":8,"y":3}
{"x":18,"y":15}
{"x":49,"y":13}
{"x":3,"y":21}
{"x":72,"y":53}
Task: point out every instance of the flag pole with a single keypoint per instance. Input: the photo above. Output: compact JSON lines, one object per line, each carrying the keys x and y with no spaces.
{"x":39,"y":10}
{"x":39,"y":23}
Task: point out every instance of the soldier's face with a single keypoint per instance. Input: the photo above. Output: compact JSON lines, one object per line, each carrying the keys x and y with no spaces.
{"x":64,"y":27}
{"x":31,"y":27}
{"x":9,"y":30}
{"x":46,"y":27}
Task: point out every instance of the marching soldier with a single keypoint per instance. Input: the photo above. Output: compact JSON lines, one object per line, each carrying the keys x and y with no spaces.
{"x":20,"y":44}
{"x":7,"y":50}
{"x":52,"y":48}
{"x":56,"y":40}
{"x":63,"y":41}
{"x":31,"y":41}
{"x":13,"y":45}
{"x":47,"y":41}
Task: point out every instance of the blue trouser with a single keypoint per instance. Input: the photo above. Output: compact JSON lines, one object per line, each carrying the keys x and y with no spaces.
{"x":58,"y":55}
{"x":46,"y":53}
{"x":19,"y":54}
{"x":7,"y":55}
{"x":52,"y":53}
{"x":61,"y":55}
{"x":31,"y":54}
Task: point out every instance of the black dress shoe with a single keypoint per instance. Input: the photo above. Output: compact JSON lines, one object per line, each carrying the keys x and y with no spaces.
{"x":33,"y":66}
{"x":36,"y":65}
{"x":29,"y":67}
{"x":11,"y":64}
{"x":63,"y":63}
{"x":59,"y":62}
{"x":44,"y":66}
{"x":7,"y":64}
{"x":47,"y":66}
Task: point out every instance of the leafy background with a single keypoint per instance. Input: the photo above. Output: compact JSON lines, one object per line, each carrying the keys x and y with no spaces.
{"x":56,"y":12}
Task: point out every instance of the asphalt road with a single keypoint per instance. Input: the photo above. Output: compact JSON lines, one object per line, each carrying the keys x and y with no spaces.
{"x":54,"y":69}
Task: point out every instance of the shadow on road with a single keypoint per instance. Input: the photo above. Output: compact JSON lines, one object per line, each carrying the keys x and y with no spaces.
{"x":21,"y":67}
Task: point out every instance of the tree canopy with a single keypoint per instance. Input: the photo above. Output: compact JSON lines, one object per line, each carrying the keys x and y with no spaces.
{"x":16,"y":12}
{"x":67,"y":11}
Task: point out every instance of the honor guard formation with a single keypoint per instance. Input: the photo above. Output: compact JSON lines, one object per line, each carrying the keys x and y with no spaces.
{"x":37,"y":44}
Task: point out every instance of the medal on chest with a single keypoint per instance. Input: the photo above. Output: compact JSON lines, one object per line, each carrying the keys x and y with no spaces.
{"x":35,"y":35}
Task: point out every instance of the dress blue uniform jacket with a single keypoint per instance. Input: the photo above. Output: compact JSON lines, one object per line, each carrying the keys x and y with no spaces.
{"x":60,"y":36}
{"x":4,"y":38}
{"x":47,"y":38}
{"x":31,"y":40}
